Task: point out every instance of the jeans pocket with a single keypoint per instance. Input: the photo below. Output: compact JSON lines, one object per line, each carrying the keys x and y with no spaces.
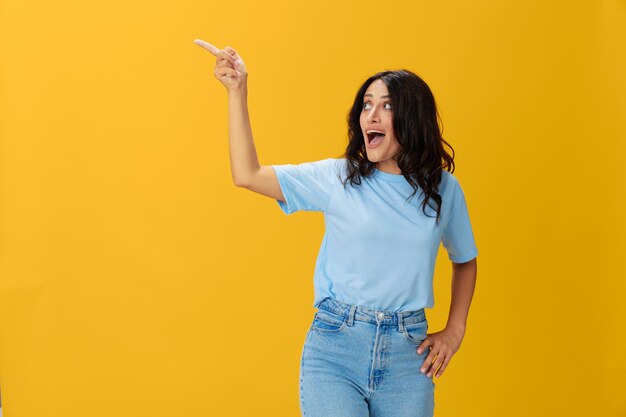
{"x":328,"y":321}
{"x":416,"y":332}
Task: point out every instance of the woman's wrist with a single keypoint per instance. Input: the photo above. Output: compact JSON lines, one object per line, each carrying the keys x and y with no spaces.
{"x":241,"y":91}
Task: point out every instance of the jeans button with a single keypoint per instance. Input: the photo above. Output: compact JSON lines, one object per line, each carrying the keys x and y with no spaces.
{"x":381,"y":315}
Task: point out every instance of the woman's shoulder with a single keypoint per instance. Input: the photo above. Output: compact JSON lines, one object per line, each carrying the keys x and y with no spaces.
{"x":338,"y":165}
{"x":449,"y":185}
{"x":448,"y":179}
{"x":328,"y":165}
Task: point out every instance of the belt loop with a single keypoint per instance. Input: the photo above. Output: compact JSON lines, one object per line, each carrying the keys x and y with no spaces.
{"x":351,"y":315}
{"x":400,"y":321}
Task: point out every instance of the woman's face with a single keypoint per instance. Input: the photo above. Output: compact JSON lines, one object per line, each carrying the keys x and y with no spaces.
{"x":377,"y":114}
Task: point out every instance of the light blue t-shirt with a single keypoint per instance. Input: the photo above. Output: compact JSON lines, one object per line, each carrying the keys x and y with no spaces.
{"x":378,"y":250}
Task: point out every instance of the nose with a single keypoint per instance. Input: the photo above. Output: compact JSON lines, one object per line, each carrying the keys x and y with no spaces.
{"x":373,"y":114}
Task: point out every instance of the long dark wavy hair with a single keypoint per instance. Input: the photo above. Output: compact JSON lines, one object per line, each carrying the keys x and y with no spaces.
{"x":422,"y":156}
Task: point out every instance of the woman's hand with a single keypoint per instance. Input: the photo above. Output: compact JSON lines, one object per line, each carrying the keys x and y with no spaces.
{"x":229,"y":67}
{"x":443,"y":344}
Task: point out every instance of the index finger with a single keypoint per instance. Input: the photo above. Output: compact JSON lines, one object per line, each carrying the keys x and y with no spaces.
{"x":212,"y":49}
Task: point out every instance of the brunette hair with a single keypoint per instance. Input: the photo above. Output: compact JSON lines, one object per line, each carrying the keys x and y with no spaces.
{"x":422,"y":156}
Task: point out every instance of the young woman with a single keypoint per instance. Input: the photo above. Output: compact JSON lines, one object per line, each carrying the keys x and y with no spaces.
{"x":367,"y":351}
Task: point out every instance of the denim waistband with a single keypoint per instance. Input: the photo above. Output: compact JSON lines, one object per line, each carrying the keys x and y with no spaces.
{"x":355,"y":312}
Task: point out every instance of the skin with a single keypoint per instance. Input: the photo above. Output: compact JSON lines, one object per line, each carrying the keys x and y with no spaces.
{"x":446,"y":343}
{"x":231,"y":71}
{"x":377,"y":113}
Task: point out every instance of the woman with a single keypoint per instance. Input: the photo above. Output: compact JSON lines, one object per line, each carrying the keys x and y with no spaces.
{"x":367,"y":351}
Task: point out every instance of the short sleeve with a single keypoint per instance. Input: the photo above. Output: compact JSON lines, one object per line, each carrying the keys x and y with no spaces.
{"x":306,"y":186}
{"x":457,"y":235}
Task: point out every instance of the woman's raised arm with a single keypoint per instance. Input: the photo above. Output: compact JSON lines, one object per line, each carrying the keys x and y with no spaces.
{"x":246,"y":171}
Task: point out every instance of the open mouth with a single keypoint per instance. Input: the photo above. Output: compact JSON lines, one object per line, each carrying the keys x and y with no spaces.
{"x":374,"y":137}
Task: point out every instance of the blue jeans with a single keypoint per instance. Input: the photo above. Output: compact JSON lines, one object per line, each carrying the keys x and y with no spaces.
{"x":360,"y":362}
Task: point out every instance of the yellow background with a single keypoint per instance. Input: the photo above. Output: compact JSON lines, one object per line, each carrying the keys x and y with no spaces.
{"x":137,"y":280}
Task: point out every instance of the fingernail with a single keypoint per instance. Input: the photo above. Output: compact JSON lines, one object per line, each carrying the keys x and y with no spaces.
{"x":419,"y":350}
{"x":423,"y":370}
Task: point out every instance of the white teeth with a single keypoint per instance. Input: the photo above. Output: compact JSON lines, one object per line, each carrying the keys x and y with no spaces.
{"x":375,"y":131}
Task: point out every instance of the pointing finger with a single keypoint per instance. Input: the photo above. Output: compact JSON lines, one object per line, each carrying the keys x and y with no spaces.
{"x":212,"y":49}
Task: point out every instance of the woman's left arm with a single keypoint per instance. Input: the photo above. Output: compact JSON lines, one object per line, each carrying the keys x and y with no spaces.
{"x":463,"y":283}
{"x":446,"y":343}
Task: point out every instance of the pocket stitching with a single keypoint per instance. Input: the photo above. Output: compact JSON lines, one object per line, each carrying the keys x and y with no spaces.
{"x":320,"y":317}
{"x":413,"y":339}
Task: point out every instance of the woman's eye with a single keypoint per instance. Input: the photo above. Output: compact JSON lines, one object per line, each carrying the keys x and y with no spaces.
{"x":386,"y":104}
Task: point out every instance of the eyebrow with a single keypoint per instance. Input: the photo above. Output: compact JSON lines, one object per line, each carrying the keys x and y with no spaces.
{"x":371,"y":95}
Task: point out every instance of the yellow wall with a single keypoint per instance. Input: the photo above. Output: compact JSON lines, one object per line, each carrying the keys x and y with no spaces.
{"x":137,"y":280}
